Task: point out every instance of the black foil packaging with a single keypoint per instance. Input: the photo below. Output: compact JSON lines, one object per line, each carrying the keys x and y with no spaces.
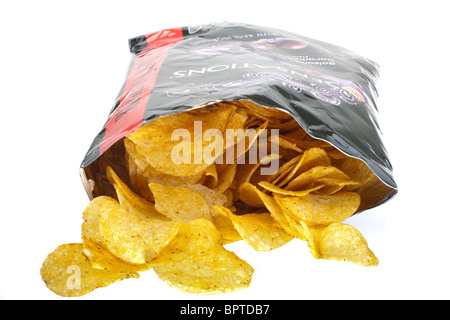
{"x":329,"y":90}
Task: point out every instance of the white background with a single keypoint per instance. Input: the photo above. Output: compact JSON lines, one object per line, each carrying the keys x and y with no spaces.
{"x":63,"y":62}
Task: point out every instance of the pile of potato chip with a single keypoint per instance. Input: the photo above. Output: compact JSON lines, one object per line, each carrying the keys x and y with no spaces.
{"x":177,"y":219}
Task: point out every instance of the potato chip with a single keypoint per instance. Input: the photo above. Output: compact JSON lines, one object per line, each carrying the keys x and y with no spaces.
{"x":264,"y":113}
{"x":358,"y":171}
{"x":310,"y":176}
{"x":297,"y":134}
{"x":331,"y":186}
{"x":301,"y":193}
{"x":320,"y":209}
{"x":309,"y":237}
{"x":248,"y":194}
{"x":212,"y":197}
{"x":259,"y":230}
{"x":179,"y":203}
{"x":239,"y":142}
{"x":285,"y":126}
{"x":130,"y":200}
{"x":212,"y":178}
{"x":196,"y":262}
{"x":154,"y":140}
{"x":149,"y":173}
{"x":345,"y":243}
{"x":285,"y":144}
{"x":135,"y":240}
{"x":68,"y":273}
{"x":100,"y":258}
{"x":237,"y":119}
{"x":226,"y":178}
{"x":138,"y":180}
{"x":296,"y":227}
{"x":225,"y":228}
{"x":284,"y":170}
{"x":336,"y":154}
{"x":90,"y":228}
{"x":277,"y":213}
{"x":312,"y":157}
{"x":245,"y":171}
{"x":130,"y":238}
{"x":137,"y":159}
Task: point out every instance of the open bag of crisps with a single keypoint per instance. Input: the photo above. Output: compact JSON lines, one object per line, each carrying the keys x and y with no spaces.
{"x":223,"y":133}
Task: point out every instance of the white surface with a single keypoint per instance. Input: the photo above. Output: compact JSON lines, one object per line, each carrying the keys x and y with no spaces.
{"x":62,"y":64}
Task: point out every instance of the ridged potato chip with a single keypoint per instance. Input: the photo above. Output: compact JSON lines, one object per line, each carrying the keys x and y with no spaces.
{"x":130,"y":200}
{"x":211,"y":176}
{"x":179,"y":203}
{"x":320,"y":209}
{"x":331,"y":186}
{"x":248,"y":194}
{"x":133,"y":239}
{"x":259,"y":230}
{"x":196,"y":262}
{"x":284,"y":170}
{"x":266,"y":114}
{"x":312,"y":157}
{"x":310,"y":176}
{"x":100,"y":258}
{"x":286,"y":144}
{"x":301,"y":193}
{"x":246,"y":171}
{"x":357,"y":170}
{"x":225,"y":178}
{"x":225,"y":228}
{"x":130,"y":238}
{"x":154,"y":140}
{"x":68,"y":273}
{"x":345,"y":243}
{"x":277,"y":213}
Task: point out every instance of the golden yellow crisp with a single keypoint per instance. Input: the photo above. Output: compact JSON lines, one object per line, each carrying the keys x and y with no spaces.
{"x":196,"y":262}
{"x":332,"y":186}
{"x":211,"y":176}
{"x":68,"y":273}
{"x":225,"y":228}
{"x":155,"y":141}
{"x":345,"y":243}
{"x":246,"y":170}
{"x":225,"y":178}
{"x":130,"y":200}
{"x":357,"y":170}
{"x":285,"y":144}
{"x":248,"y":194}
{"x":100,"y":258}
{"x":312,"y":157}
{"x":259,"y":230}
{"x":130,"y":238}
{"x":321,"y":209}
{"x":283,"y":171}
{"x":310,"y":176}
{"x":301,"y":193}
{"x":179,"y":203}
{"x":277,"y":213}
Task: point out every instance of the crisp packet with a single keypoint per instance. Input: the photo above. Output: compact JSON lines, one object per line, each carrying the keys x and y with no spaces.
{"x":330,"y":91}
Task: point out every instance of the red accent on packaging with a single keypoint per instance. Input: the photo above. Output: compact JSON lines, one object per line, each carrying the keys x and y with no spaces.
{"x":128,"y":116}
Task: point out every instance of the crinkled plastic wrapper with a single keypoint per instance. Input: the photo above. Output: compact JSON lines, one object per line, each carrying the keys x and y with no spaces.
{"x":330,"y":91}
